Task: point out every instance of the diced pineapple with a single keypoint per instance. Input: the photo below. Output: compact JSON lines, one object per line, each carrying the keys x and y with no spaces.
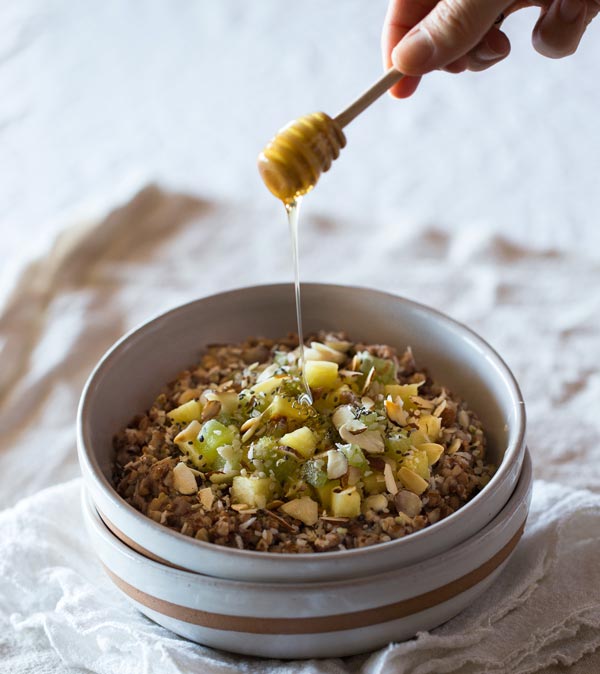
{"x":324,"y":493}
{"x":304,"y":509}
{"x":417,"y":460}
{"x":302,"y":440}
{"x":255,"y":492}
{"x":186,"y":412}
{"x":345,"y":503}
{"x":412,"y":481}
{"x":282,"y":407}
{"x":321,"y":374}
{"x":430,"y":425}
{"x":404,"y":391}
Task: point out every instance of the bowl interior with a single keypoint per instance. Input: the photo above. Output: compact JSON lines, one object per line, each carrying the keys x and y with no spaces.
{"x":136,"y":369}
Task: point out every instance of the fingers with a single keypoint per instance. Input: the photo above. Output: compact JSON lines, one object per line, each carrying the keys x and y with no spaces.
{"x":401,"y":16}
{"x":494,"y":47}
{"x":559,"y":29}
{"x":451,"y":29}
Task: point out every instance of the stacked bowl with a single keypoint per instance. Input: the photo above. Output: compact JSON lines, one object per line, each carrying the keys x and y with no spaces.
{"x":304,"y":605}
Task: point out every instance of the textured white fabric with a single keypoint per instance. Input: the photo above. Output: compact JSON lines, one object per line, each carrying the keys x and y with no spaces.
{"x":59,"y":613}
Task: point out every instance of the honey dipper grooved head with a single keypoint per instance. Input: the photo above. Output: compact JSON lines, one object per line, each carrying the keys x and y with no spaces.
{"x":292,"y":162}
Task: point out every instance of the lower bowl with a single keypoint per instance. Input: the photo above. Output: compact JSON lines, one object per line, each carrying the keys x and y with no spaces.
{"x":314,"y":620}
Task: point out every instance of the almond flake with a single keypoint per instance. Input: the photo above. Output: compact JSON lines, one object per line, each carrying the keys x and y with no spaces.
{"x":390,"y":482}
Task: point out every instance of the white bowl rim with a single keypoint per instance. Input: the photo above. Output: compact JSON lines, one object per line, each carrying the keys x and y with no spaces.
{"x":515,"y":444}
{"x":450,"y":557}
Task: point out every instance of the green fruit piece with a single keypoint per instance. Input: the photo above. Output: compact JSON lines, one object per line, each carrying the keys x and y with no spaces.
{"x":314,"y":474}
{"x":355,"y":456}
{"x":398,"y":445}
{"x":417,"y":461}
{"x":385,"y":370}
{"x":374,"y":483}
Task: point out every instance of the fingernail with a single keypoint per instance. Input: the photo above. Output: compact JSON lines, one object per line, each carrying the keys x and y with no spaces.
{"x":417,"y":50}
{"x":570,"y":10}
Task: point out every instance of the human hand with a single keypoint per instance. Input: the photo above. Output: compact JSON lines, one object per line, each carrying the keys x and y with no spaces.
{"x":456,"y":35}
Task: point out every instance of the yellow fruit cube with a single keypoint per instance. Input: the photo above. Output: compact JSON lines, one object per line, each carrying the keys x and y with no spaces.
{"x":345,"y":503}
{"x":405,"y":391}
{"x":430,"y":425}
{"x":282,"y":407}
{"x":255,"y":492}
{"x":321,"y":374}
{"x":302,"y":440}
{"x":324,"y":493}
{"x":186,"y":412}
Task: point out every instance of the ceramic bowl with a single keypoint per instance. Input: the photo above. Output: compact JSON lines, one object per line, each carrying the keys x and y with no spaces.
{"x":314,"y":620}
{"x":136,"y":368}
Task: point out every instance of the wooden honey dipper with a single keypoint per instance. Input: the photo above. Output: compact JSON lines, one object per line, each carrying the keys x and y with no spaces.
{"x":292,"y":162}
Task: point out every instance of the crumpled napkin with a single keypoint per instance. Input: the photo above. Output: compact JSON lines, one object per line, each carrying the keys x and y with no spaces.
{"x":55,"y":597}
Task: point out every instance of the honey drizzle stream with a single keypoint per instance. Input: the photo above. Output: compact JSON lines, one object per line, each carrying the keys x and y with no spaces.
{"x":293,"y":209}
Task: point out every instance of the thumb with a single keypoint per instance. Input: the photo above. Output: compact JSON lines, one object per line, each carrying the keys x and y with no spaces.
{"x":450,"y":30}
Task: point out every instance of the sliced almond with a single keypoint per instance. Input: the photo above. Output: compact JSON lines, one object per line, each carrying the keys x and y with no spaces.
{"x":369,"y":441}
{"x":368,"y":380}
{"x":412,"y":480}
{"x":408,"y":503}
{"x":338,"y":345}
{"x":455,"y":446}
{"x":337,"y":464}
{"x":390,"y":482}
{"x":367,"y":403}
{"x":342,"y":415}
{"x":207,"y":498}
{"x":440,"y":408}
{"x":328,"y":353}
{"x":184,"y":480}
{"x":189,"y":433}
{"x":434,"y":451}
{"x":395,"y":411}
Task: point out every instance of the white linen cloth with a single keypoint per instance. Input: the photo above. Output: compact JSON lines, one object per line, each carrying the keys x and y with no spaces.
{"x":539,"y":308}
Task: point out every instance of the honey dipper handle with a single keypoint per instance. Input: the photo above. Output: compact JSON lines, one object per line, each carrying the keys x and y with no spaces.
{"x":380,"y":87}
